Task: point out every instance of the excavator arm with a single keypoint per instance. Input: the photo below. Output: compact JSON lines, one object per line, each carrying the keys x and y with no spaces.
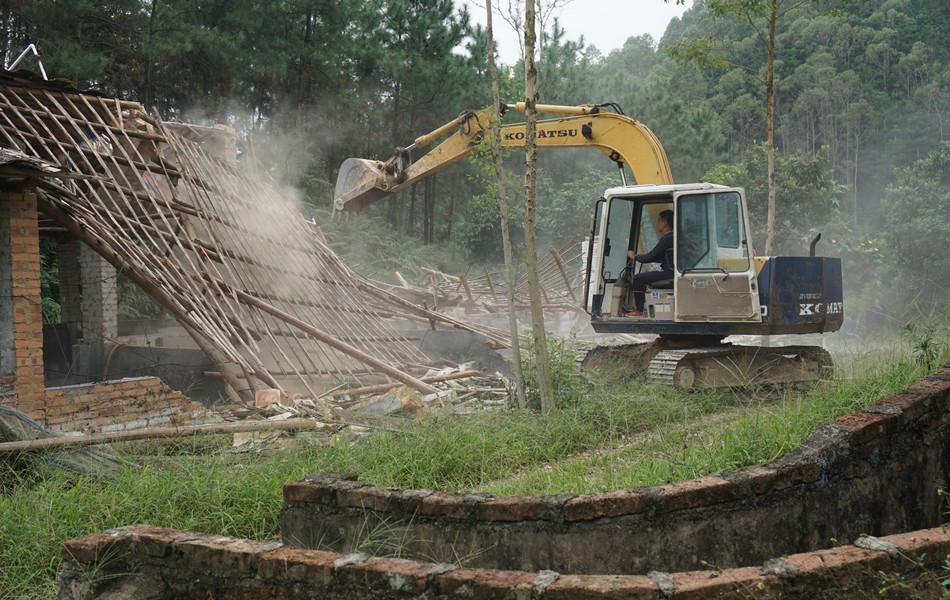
{"x":624,"y":140}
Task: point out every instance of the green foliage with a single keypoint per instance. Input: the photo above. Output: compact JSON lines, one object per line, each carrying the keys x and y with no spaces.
{"x":807,"y":196}
{"x":49,"y":282}
{"x":135,"y":303}
{"x":863,"y":88}
{"x":917,"y":222}
{"x":928,"y":340}
{"x":568,"y":386}
{"x":368,"y":244}
{"x":566,"y":211}
{"x":478,"y":229}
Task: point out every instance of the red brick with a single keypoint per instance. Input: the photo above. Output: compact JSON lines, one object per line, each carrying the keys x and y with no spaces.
{"x":607,"y":504}
{"x":863,"y":427}
{"x":94,"y":548}
{"x":153,"y":541}
{"x":747,"y":582}
{"x":912,"y":402}
{"x":486,"y":584}
{"x":219,"y":551}
{"x":296,"y":564}
{"x":933,"y":543}
{"x":796,"y":472}
{"x":705,"y":491}
{"x":309,"y":493}
{"x":445,"y":505}
{"x":836,"y":566}
{"x":760,"y":479}
{"x":508,"y":508}
{"x":388,"y":575}
{"x":368,"y":497}
{"x":605,"y":587}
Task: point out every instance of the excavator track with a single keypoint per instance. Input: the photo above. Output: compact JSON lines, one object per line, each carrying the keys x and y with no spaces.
{"x":740,"y":366}
{"x":714,"y":366}
{"x":674,"y":367}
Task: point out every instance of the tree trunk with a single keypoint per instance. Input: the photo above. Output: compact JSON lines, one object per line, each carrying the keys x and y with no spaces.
{"x":511,"y":271}
{"x":397,"y":94}
{"x":770,"y":125}
{"x":449,"y":216}
{"x":857,"y":147}
{"x":428,"y":210}
{"x":411,"y":221}
{"x":150,"y":58}
{"x":531,"y":164}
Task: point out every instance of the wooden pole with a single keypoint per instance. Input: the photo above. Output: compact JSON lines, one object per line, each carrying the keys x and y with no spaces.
{"x":329,"y":340}
{"x":160,"y":433}
{"x":563,"y":270}
{"x":491,"y":286}
{"x":369,"y":389}
{"x":468,"y":291}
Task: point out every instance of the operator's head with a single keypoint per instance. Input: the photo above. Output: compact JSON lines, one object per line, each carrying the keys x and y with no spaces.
{"x":666,"y":221}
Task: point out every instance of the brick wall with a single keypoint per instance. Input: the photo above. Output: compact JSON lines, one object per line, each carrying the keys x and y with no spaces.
{"x":143,"y":561}
{"x":23,"y":321}
{"x":115,"y":405}
{"x":874,"y":472}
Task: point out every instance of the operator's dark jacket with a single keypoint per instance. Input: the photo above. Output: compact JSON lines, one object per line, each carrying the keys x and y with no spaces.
{"x":659,"y":253}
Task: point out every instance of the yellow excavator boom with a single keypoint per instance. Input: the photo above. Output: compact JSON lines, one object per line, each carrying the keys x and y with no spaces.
{"x":625,"y":140}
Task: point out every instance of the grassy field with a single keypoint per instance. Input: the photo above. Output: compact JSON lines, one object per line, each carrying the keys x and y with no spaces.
{"x":611,"y":436}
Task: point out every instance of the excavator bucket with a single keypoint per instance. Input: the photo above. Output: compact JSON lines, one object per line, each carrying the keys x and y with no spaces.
{"x":359,"y":183}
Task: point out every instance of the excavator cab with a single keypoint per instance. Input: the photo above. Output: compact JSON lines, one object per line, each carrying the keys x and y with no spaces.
{"x":713,"y":277}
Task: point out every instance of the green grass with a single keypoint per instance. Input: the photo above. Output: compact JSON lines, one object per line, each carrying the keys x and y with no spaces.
{"x":762,"y":431}
{"x":584,"y":447}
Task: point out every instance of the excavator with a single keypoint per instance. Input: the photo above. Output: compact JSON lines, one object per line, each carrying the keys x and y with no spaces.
{"x":719,"y":287}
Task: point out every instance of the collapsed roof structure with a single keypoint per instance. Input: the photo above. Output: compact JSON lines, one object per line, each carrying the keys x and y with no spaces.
{"x":560,"y":274}
{"x":222,"y":246}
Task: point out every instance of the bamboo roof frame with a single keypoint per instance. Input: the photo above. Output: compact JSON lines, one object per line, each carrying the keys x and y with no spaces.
{"x":219,"y":244}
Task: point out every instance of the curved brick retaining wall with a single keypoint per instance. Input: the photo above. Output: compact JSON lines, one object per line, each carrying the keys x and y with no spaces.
{"x":157,"y":564}
{"x":873,"y":472}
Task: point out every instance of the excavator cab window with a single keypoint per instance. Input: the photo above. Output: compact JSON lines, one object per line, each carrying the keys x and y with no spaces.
{"x":714,"y":279}
{"x":618,"y":237}
{"x":710,"y":234}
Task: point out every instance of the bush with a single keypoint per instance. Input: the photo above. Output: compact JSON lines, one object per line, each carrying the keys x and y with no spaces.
{"x":567,"y":381}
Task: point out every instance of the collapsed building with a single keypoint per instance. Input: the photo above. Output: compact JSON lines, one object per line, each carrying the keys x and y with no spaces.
{"x":221,"y":246}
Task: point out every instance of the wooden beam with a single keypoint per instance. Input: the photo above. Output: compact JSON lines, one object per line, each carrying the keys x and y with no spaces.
{"x":328,"y":339}
{"x":563,"y":270}
{"x":371,"y":389}
{"x":129,"y":435}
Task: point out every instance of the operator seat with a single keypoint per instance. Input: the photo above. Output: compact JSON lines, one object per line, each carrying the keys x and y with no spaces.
{"x":663,"y":284}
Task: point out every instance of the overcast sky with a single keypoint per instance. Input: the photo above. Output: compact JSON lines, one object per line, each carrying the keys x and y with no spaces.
{"x":605,"y":24}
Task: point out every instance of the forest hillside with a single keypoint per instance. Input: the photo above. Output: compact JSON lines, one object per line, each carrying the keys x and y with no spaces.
{"x":862,"y":116}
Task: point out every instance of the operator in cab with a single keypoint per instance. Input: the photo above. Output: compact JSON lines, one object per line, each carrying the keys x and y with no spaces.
{"x":661,"y":253}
